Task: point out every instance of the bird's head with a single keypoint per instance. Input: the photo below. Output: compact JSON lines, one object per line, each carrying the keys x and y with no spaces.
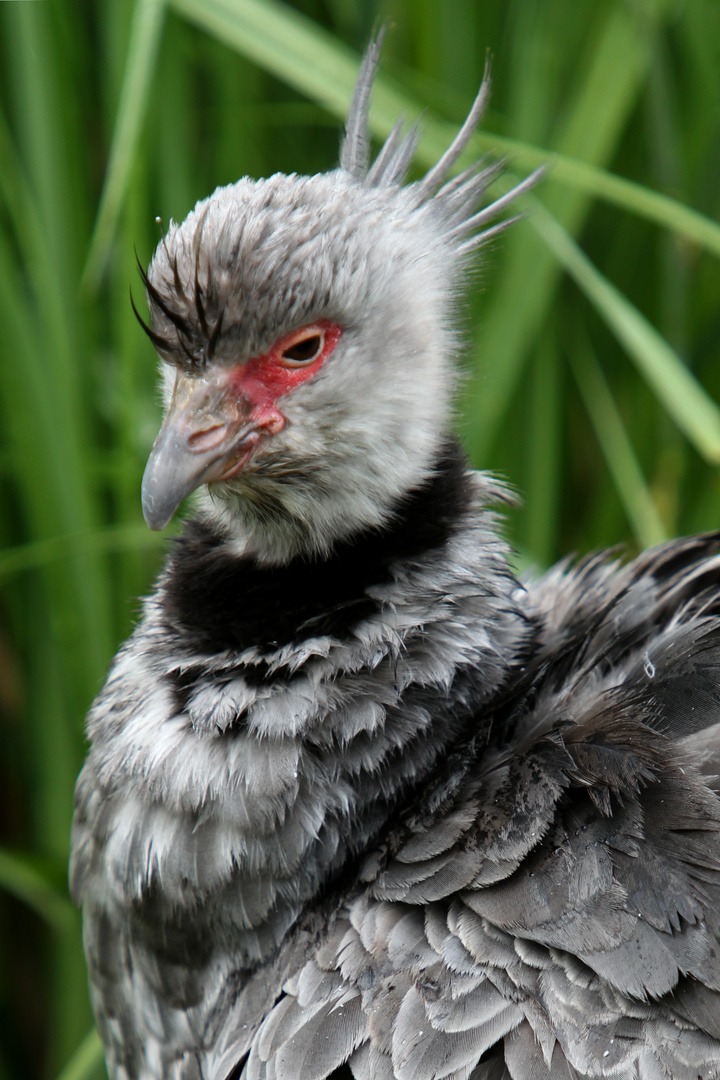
{"x":307,"y":329}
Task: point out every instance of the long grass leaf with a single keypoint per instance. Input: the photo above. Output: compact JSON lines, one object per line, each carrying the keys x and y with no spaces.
{"x":630,"y":484}
{"x":526,"y":287}
{"x":692,"y":409}
{"x":111,"y":538}
{"x":286,"y":43}
{"x":134,"y":96}
{"x":540,"y":518}
{"x":44,"y":394}
{"x":87,"y":1060}
{"x":631,"y":196}
{"x":23,"y":878}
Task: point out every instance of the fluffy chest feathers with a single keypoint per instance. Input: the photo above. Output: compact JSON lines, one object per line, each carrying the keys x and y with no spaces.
{"x":271,"y":715}
{"x":357,"y":802}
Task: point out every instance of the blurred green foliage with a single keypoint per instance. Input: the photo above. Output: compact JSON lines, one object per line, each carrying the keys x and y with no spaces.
{"x":593,"y":327}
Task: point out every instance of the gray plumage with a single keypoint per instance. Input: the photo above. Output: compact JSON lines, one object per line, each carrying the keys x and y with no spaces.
{"x":357,"y":801}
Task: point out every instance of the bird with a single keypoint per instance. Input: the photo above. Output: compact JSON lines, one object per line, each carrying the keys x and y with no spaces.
{"x":359,"y":802}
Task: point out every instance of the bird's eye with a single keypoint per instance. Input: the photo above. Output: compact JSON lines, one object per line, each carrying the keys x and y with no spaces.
{"x":304,"y":348}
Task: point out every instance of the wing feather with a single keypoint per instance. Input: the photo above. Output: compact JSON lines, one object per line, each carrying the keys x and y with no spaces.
{"x":552,"y":908}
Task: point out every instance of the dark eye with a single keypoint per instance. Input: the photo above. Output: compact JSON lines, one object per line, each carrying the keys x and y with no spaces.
{"x":305,"y":349}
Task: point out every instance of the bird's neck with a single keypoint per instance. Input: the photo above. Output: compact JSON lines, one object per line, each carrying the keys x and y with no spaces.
{"x":222,"y":602}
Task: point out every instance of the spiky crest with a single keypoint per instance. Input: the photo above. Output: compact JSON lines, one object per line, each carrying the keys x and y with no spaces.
{"x":458,"y":196}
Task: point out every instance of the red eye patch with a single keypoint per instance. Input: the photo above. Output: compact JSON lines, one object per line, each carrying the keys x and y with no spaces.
{"x":292,"y":360}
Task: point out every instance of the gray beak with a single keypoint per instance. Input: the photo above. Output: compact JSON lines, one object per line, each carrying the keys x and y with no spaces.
{"x":207,"y":435}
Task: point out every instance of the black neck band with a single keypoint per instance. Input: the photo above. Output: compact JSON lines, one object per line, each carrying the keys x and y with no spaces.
{"x":216,"y":600}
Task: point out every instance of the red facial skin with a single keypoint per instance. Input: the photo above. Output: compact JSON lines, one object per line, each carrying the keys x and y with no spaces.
{"x":261,"y":380}
{"x":264,"y":379}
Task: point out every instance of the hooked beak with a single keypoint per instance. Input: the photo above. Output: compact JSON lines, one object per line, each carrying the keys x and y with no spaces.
{"x":208,"y":434}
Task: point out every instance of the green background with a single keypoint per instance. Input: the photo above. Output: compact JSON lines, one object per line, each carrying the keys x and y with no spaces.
{"x":592,"y":327}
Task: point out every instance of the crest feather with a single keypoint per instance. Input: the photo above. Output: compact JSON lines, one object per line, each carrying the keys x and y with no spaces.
{"x":458,"y":197}
{"x":355,"y":152}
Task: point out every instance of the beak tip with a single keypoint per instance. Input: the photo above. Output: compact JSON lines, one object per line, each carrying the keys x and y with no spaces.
{"x":156,"y":526}
{"x":154,"y":521}
{"x":157,"y":512}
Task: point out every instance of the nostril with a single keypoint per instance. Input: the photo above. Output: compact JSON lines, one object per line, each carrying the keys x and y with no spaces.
{"x":208,"y":439}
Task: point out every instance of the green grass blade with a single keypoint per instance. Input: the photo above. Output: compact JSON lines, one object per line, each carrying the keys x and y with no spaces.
{"x":528,"y":278}
{"x":87,"y":1060}
{"x":540,"y":515}
{"x":134,"y":96}
{"x":22,"y":877}
{"x":280,"y":40}
{"x":111,"y":538}
{"x":692,"y":409}
{"x":44,"y":399}
{"x":630,"y":484}
{"x":22,"y":212}
{"x":636,"y":198}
